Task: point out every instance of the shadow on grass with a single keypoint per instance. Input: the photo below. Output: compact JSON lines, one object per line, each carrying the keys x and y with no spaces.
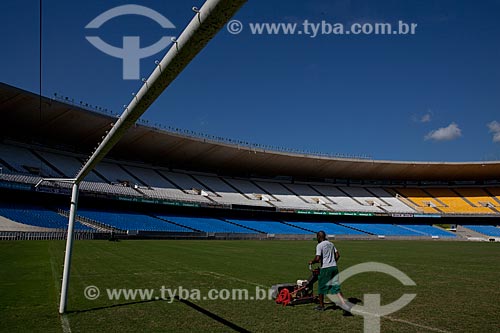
{"x":114,"y":306}
{"x":352,"y":300}
{"x":198,"y":308}
{"x":221,"y":320}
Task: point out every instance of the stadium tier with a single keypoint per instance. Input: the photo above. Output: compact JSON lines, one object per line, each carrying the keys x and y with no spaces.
{"x":29,"y":165}
{"x":250,"y":190}
{"x":67,"y":165}
{"x":282,"y":197}
{"x":495,"y":193}
{"x":428,"y":230}
{"x":400,"y":230}
{"x":478,"y":197}
{"x":37,"y":216}
{"x":342,"y":201}
{"x":207,"y":224}
{"x":328,"y":228}
{"x":390,"y":203}
{"x":19,"y":159}
{"x":127,"y":221}
{"x":451,"y":202}
{"x":420,"y":199}
{"x":487,"y":230}
{"x":269,"y":227}
{"x":131,"y":221}
{"x":382,"y":229}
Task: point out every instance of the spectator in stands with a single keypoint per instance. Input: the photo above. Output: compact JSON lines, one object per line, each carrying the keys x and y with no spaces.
{"x":328,"y":280}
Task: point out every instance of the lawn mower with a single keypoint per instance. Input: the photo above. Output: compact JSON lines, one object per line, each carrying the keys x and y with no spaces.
{"x":301,"y":292}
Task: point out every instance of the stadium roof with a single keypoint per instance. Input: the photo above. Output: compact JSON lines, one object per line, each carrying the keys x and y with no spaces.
{"x":70,"y":127}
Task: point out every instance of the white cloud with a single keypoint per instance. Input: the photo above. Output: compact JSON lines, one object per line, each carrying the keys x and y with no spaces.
{"x":448,"y":133}
{"x":426,"y":118}
{"x":494,"y":127}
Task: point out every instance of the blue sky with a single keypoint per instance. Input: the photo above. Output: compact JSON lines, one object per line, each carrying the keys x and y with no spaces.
{"x":429,"y":96}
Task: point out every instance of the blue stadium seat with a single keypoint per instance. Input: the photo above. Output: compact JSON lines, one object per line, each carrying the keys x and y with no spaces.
{"x":37,"y":216}
{"x":487,"y":230}
{"x":428,"y":230}
{"x":383,"y":229}
{"x":207,"y":224}
{"x":131,"y":221}
{"x":270,"y":227}
{"x":328,"y":227}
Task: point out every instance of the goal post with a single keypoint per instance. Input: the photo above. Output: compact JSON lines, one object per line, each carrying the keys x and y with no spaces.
{"x":207,"y":21}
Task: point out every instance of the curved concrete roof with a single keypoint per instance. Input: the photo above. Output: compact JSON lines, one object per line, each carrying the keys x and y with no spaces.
{"x":65,"y":125}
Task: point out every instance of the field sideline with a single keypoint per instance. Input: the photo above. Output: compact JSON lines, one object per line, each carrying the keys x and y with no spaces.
{"x":458,"y":285}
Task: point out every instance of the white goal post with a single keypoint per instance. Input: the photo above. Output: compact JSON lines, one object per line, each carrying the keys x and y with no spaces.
{"x":207,"y":21}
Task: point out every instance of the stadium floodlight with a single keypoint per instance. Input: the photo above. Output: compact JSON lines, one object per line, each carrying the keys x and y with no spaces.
{"x":212,"y":16}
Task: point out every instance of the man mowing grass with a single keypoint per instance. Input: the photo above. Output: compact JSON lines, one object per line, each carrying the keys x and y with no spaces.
{"x":328,"y":280}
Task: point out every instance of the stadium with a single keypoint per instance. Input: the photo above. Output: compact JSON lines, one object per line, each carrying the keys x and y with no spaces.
{"x":186,"y":185}
{"x":173,"y":207}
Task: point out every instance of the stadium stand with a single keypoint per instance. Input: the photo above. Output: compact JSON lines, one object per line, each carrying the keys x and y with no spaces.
{"x":113,"y":173}
{"x":158,"y":187}
{"x":172,"y":194}
{"x":149,"y":177}
{"x":253,"y":190}
{"x":478,"y":197}
{"x":427,"y":230}
{"x":116,"y":189}
{"x":342,"y":202}
{"x":329,"y":228}
{"x":393,"y":205}
{"x":25,"y":161}
{"x":250,"y":190}
{"x":37,"y":216}
{"x":421,"y":200}
{"x":131,"y":221}
{"x":285,"y":198}
{"x":129,"y":179}
{"x":68,"y":165}
{"x":186,"y":183}
{"x":362,"y":196}
{"x":382,"y":229}
{"x":43,"y":218}
{"x":495,"y":192}
{"x":206,"y":224}
{"x":9,"y":225}
{"x":20,"y":178}
{"x":307,"y":193}
{"x":487,"y":230}
{"x":269,"y":227}
{"x":451,"y":202}
{"x":224,"y":193}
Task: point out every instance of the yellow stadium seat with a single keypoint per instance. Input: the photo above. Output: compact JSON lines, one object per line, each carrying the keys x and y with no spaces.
{"x":478,"y":196}
{"x":455,"y":204}
{"x":420,"y":199}
{"x":496,"y":193}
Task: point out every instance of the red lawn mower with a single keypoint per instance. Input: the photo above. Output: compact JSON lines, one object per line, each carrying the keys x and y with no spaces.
{"x":302,"y":292}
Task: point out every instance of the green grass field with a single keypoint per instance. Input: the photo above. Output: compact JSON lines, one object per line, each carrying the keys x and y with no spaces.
{"x":458,"y":285}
